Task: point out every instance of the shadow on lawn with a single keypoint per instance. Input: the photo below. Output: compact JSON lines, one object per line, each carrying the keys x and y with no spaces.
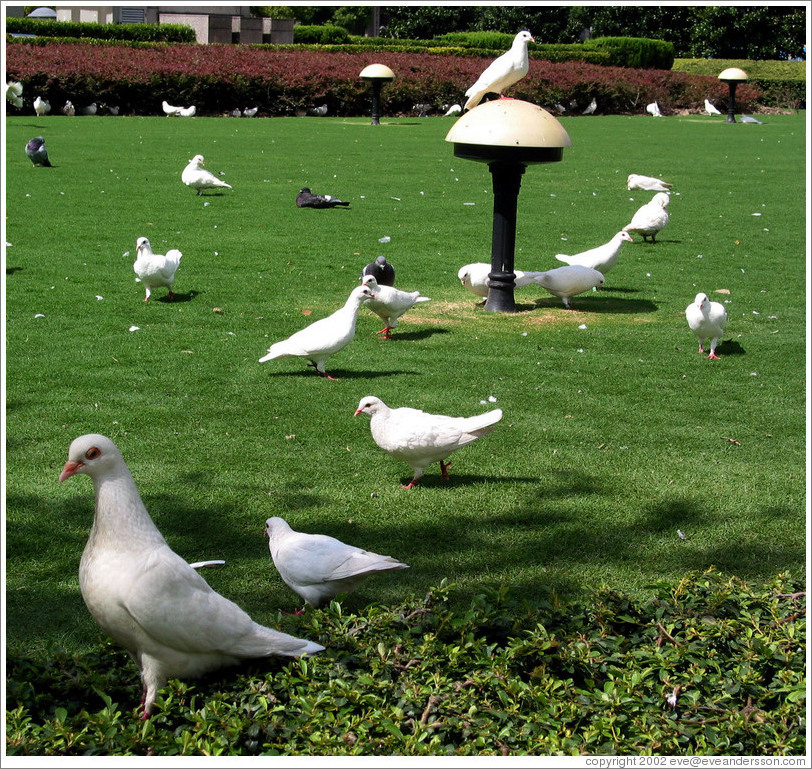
{"x":344,"y":374}
{"x":179,"y":297}
{"x":598,"y":303}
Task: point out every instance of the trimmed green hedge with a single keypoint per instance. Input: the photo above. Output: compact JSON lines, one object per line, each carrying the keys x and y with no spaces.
{"x":145,"y":33}
{"x":320,"y":34}
{"x":636,"y":52}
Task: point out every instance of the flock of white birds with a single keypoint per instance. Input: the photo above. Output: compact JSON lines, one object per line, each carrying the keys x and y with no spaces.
{"x":152,"y":601}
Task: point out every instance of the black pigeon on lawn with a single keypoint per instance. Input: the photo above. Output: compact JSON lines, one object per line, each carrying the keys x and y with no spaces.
{"x":381,"y":270}
{"x":35,"y":149}
{"x":306,"y":199}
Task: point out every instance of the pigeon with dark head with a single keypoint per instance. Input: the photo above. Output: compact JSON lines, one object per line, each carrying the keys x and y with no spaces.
{"x":381,"y":270}
{"x":306,"y":199}
{"x":35,"y":149}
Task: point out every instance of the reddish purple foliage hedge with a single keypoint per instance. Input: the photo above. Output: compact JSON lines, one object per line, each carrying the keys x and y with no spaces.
{"x":217,"y":78}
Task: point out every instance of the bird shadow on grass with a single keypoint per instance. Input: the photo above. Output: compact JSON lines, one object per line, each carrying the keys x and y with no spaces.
{"x":177,"y":298}
{"x":412,"y":335}
{"x":730,"y":347}
{"x":601,"y":304}
{"x":12,"y":270}
{"x":342,"y":374}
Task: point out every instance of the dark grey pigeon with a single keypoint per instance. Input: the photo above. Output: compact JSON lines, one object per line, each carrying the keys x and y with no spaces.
{"x":306,"y":199}
{"x":383,"y":272}
{"x":35,"y":149}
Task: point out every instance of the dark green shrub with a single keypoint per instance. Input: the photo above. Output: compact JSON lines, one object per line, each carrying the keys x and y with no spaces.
{"x":636,"y":52}
{"x":320,"y":34}
{"x":168,"y":33}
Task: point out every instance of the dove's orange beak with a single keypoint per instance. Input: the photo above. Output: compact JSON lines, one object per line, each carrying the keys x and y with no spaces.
{"x":357,"y":412}
{"x":69,"y":469}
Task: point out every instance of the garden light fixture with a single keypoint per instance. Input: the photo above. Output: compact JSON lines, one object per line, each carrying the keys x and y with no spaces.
{"x":508,"y":135}
{"x":732,"y":76}
{"x":377,"y":74}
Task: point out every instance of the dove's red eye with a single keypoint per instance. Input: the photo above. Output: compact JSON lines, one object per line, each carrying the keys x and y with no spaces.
{"x":93,"y":453}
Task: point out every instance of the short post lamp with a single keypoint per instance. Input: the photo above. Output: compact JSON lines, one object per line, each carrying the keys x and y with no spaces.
{"x":377,"y":74}
{"x":508,"y":135}
{"x":732,"y":76}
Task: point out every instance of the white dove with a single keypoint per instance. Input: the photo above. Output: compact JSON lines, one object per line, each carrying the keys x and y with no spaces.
{"x":602,"y":258}
{"x":69,"y":109}
{"x":324,"y":337}
{"x":707,"y":320}
{"x":593,"y":105}
{"x":710,"y":109}
{"x":502,"y":72}
{"x":569,"y":281}
{"x":454,"y":109}
{"x":390,"y":303}
{"x":654,"y":109}
{"x":419,"y":438}
{"x":155,"y":270}
{"x":250,"y":111}
{"x":199,"y":178}
{"x":169,"y":110}
{"x":146,"y":596}
{"x":650,"y":183}
{"x":41,"y":107}
{"x":474,"y":277}
{"x":650,"y":218}
{"x":187,"y":111}
{"x":14,"y":93}
{"x":319,"y":567}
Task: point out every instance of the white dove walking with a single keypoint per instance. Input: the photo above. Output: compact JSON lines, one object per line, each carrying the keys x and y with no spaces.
{"x":650,"y":183}
{"x":146,"y":597}
{"x":602,"y":258}
{"x":198,"y":178}
{"x":318,"y":567}
{"x":707,"y":320}
{"x":474,"y":277}
{"x":41,"y":107}
{"x":390,"y":303}
{"x":169,"y":110}
{"x":650,"y":218}
{"x":325,"y":337}
{"x":569,"y":281}
{"x":593,"y":105}
{"x":502,"y":72}
{"x":419,"y":438}
{"x":155,"y":270}
{"x":654,"y":109}
{"x":710,"y":109}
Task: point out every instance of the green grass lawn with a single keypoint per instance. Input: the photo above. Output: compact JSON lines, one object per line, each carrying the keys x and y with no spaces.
{"x":616,"y":432}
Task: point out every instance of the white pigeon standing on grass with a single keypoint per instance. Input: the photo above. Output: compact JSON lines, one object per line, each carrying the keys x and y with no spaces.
{"x":650,"y":183}
{"x":419,"y":438}
{"x":707,"y":320}
{"x":569,"y":281}
{"x":650,"y":218}
{"x":325,"y":337}
{"x":199,"y":179}
{"x":169,"y":110}
{"x":318,"y":567}
{"x":602,"y":258}
{"x":502,"y":72}
{"x":187,"y":111}
{"x":710,"y":109}
{"x":155,"y":270}
{"x":390,"y":303}
{"x":593,"y":105}
{"x":148,"y":598}
{"x":250,"y":111}
{"x":654,"y":109}
{"x":41,"y":107}
{"x":474,"y":277}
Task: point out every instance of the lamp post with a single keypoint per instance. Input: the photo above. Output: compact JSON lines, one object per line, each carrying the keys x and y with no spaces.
{"x":377,"y":74}
{"x":732,"y":76}
{"x":508,"y":135}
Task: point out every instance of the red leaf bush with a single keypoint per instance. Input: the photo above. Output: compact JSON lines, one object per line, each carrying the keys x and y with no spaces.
{"x":216,"y":78}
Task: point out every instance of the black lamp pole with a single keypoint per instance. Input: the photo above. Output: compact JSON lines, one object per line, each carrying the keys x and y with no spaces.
{"x":376,"y":102}
{"x":507,"y":181}
{"x":731,"y":102}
